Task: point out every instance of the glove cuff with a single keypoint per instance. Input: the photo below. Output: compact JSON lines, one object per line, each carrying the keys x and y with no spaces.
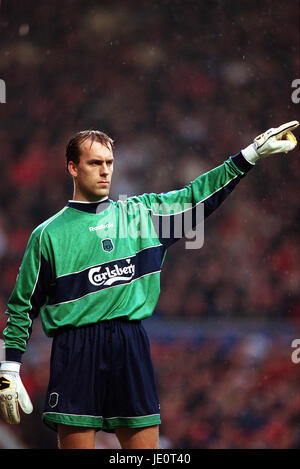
{"x":10,"y":366}
{"x":250,"y":154}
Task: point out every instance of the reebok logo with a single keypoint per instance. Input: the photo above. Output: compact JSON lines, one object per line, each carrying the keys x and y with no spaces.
{"x":108,"y":275}
{"x":101,"y":227}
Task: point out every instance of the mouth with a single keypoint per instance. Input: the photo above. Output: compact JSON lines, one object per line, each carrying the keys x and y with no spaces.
{"x":105,"y":183}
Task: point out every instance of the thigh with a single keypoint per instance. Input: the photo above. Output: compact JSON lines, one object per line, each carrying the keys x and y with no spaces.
{"x":138,"y":438}
{"x":70,"y":437}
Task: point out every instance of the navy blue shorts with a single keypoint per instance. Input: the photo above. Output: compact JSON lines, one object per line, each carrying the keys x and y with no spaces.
{"x":101,"y":376}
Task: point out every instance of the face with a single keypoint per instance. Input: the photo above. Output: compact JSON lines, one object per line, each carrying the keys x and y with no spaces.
{"x":92,"y":175}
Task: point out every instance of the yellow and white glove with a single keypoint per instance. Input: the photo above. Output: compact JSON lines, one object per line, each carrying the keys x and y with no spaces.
{"x":12,"y":393}
{"x":278,"y":140}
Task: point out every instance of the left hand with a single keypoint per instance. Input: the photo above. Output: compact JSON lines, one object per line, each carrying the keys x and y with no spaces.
{"x":275,"y":140}
{"x":12,"y":393}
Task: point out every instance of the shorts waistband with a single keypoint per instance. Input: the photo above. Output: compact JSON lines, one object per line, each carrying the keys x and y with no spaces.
{"x":124,"y":319}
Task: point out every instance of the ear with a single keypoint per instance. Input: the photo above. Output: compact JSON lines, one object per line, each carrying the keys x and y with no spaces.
{"x":72,"y":168}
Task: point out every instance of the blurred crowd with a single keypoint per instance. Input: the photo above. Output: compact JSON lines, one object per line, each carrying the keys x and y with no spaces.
{"x":229,"y":392}
{"x":180,"y":86}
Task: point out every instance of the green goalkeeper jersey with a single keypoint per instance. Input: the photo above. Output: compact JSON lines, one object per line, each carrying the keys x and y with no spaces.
{"x":102,"y":260}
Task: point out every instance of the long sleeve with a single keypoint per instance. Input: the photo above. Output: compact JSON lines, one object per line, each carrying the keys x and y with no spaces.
{"x":27,"y":297}
{"x":209,"y":189}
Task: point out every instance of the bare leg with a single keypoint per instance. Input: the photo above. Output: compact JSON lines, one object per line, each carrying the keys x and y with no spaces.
{"x":138,"y":438}
{"x":70,"y":437}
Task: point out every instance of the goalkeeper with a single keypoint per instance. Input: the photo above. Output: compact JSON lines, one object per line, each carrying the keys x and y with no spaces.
{"x":93,"y":287}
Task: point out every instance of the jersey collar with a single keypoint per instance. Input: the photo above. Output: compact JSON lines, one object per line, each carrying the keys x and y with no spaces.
{"x":89,"y":207}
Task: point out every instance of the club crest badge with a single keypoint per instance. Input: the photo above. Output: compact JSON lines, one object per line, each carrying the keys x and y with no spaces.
{"x":107,"y":245}
{"x":53,"y":399}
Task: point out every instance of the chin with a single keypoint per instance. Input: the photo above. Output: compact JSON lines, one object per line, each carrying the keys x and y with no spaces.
{"x":102,"y":194}
{"x":96,"y":193}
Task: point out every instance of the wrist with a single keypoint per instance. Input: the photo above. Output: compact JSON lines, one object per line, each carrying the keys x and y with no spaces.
{"x":250,"y":154}
{"x":13,"y":355}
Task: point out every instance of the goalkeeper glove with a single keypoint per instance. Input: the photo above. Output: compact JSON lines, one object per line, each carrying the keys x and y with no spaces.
{"x":12,"y":393}
{"x":278,"y":140}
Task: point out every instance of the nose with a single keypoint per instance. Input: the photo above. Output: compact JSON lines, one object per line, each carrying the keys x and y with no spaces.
{"x":104,"y":169}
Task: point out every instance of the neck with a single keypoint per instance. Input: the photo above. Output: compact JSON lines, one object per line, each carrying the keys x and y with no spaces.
{"x":80,"y":195}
